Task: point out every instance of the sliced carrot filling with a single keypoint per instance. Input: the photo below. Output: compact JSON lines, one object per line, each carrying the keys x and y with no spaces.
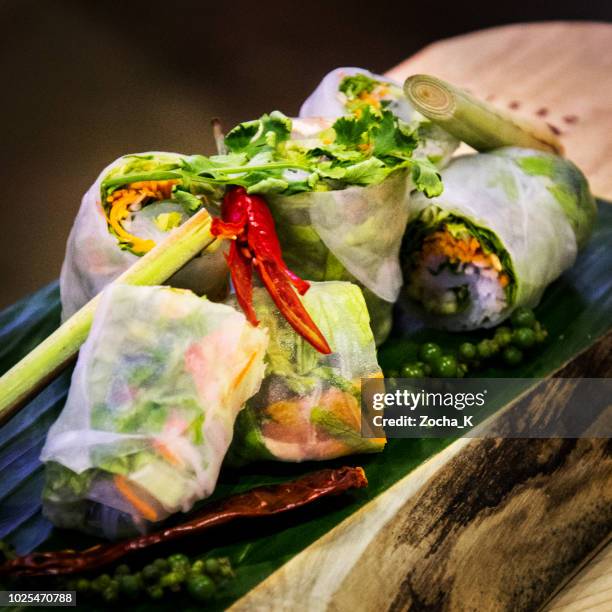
{"x":467,"y":250}
{"x":371,"y":98}
{"x":131,"y":495}
{"x":120,"y":201}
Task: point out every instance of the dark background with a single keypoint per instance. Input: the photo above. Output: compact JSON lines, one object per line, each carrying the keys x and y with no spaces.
{"x":85,"y":81}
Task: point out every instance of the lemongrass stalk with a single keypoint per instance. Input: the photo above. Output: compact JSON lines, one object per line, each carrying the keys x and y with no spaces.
{"x":57,"y":350}
{"x":476,"y":122}
{"x":219,"y":136}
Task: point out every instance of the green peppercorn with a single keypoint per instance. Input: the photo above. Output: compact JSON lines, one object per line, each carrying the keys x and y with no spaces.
{"x":392,"y":374}
{"x":201,"y":588}
{"x":150,"y":573}
{"x":110,"y":594}
{"x":411,"y":370}
{"x":523,"y":337}
{"x":197,"y":567}
{"x":512,"y":355}
{"x":162,"y":565}
{"x":100,"y":583}
{"x":522,"y":317}
{"x":178,"y":559}
{"x":171,"y":579}
{"x":212,"y":566}
{"x":540,"y":333}
{"x":485,"y":349}
{"x":130,"y":585}
{"x":429,"y":352}
{"x":225,"y":568}
{"x":445,"y":367}
{"x":122,"y":570}
{"x":83,"y":585}
{"x":503,"y":336}
{"x":467,"y":351}
{"x":155,"y":592}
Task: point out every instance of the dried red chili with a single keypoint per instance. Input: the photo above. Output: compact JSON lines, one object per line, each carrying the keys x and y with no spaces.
{"x":261,"y":501}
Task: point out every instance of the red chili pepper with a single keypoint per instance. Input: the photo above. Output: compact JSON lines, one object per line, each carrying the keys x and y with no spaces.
{"x":259,"y":502}
{"x":247,"y":220}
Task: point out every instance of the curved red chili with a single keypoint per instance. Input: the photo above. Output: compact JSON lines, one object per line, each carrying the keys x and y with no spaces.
{"x":247,"y":220}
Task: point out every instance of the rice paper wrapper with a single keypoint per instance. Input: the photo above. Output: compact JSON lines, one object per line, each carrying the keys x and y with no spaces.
{"x":537,"y":204}
{"x":352,"y":234}
{"x":308,"y":407}
{"x":328,"y":101}
{"x":94,"y":257}
{"x":150,"y":411}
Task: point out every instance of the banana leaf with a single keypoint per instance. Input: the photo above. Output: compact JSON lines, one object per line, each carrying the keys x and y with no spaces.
{"x":576,"y":309}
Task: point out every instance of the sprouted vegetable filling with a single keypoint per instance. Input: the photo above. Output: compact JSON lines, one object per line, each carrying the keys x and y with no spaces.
{"x":360,"y":91}
{"x":454,"y":270}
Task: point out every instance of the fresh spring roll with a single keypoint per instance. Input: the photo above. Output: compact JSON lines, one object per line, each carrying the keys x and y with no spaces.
{"x":308,"y":407}
{"x":350,"y":90}
{"x":134,"y":203}
{"x":150,"y":411}
{"x":340,"y":207}
{"x":508,"y":224}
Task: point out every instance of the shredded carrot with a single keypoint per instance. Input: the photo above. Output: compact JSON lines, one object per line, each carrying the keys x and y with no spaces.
{"x":465,"y":250}
{"x":145,"y":509}
{"x":370,"y":98}
{"x":244,"y":370}
{"x":120,"y":201}
{"x":165,"y":452}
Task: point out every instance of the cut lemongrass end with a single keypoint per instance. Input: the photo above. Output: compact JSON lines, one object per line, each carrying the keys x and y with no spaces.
{"x":56,"y":351}
{"x":476,"y":122}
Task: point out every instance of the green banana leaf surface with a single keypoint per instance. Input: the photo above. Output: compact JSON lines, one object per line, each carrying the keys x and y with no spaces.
{"x":576,"y":310}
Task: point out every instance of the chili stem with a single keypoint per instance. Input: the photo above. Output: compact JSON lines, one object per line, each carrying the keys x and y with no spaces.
{"x":56,"y":351}
{"x":476,"y":122}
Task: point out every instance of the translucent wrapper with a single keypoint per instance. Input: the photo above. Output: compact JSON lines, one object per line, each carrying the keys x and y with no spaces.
{"x":352,"y":234}
{"x":308,"y":407}
{"x":94,"y":256}
{"x":151,"y":409}
{"x":328,"y":101}
{"x":536,"y":209}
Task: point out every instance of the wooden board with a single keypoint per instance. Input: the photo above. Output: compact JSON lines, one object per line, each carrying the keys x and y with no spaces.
{"x":487,"y":525}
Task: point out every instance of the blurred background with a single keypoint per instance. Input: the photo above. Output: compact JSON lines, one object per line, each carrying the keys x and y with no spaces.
{"x":85,"y":82}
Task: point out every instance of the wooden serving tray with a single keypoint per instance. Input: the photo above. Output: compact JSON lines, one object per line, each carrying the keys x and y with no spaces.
{"x":487,"y":524}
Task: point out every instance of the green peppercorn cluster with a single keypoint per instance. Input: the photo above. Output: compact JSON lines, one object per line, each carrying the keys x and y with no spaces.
{"x":507,"y":343}
{"x":174,"y":574}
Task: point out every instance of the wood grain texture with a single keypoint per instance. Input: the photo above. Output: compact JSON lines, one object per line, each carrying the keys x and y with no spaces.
{"x":560,"y":72}
{"x":590,"y":589}
{"x":486,"y":524}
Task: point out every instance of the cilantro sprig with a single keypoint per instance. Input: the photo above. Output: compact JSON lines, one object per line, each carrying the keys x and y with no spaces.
{"x":356,"y":150}
{"x":265,"y":156}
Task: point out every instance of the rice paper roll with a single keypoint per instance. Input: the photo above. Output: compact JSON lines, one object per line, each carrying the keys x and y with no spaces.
{"x":150,"y":411}
{"x":339,"y":196}
{"x":135,"y":203}
{"x":348,"y":90}
{"x":507,"y":224}
{"x":351,"y":234}
{"x":308,"y":407}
